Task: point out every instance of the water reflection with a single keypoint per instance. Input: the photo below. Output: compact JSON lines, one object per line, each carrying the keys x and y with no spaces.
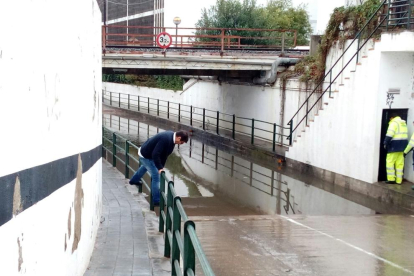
{"x":200,"y":170}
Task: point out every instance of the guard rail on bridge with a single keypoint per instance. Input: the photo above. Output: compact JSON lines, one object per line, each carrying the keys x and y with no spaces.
{"x":116,"y":36}
{"x":171,"y":213}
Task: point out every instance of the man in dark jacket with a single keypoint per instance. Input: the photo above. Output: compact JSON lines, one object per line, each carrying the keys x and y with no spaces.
{"x":153,"y":154}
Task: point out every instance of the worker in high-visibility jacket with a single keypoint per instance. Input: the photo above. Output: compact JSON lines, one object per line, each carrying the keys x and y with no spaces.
{"x":410,"y":147}
{"x":395,"y":142}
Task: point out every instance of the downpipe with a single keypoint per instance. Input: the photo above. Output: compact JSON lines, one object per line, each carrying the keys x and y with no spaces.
{"x":272,"y":76}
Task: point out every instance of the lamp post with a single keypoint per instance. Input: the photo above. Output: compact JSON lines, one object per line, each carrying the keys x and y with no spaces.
{"x":177,"y":21}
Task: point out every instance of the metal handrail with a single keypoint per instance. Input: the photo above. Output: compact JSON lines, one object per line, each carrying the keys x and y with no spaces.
{"x":188,"y":247}
{"x":329,"y":73}
{"x":222,"y":38}
{"x":173,"y":214}
{"x":217,"y":121}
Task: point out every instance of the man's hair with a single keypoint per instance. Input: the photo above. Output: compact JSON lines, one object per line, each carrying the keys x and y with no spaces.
{"x":183,"y":134}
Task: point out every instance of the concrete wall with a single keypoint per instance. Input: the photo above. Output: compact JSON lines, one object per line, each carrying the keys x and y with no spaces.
{"x":50,"y":108}
{"x":348,"y":129}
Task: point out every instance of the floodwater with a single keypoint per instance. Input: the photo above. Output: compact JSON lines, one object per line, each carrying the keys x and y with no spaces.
{"x":212,"y":181}
{"x":320,"y":229}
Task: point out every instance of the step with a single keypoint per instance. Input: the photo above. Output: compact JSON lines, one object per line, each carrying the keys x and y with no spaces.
{"x":341,"y":84}
{"x":359,"y":63}
{"x":364,"y":56}
{"x":325,"y":103}
{"x":347,"y":78}
{"x":371,"y":49}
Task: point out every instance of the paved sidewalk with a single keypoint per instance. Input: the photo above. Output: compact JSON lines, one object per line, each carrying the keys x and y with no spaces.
{"x":121,"y":246}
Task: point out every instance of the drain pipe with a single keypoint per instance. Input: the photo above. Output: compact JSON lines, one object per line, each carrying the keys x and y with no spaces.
{"x":271,"y":78}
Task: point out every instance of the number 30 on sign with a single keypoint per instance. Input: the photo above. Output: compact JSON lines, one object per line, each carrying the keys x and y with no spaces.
{"x":164,"y":40}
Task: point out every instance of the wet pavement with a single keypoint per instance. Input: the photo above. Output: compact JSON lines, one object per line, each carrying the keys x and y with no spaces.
{"x":305,"y":245}
{"x":253,"y":219}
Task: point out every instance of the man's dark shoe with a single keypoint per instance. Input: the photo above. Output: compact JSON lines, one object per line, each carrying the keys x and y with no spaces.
{"x":135,"y":183}
{"x":390,"y":182}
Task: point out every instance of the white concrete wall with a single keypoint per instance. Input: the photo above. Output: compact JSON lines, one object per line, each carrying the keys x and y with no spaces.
{"x":401,"y":64}
{"x":345,"y":137}
{"x":50,"y":108}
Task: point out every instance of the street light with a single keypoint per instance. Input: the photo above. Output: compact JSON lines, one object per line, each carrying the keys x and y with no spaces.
{"x":177,"y":21}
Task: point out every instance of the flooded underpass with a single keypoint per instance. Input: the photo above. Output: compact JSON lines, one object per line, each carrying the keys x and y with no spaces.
{"x":252,"y":219}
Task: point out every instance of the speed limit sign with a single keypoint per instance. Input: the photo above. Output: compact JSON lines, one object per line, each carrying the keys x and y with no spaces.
{"x":164,"y":40}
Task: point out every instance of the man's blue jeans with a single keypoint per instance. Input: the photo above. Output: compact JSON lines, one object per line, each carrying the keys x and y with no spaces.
{"x":148,"y":165}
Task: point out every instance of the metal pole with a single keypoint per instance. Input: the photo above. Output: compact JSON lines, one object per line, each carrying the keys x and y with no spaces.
{"x":119,"y":99}
{"x":126,"y":159}
{"x":274,"y":137}
{"x":168,"y":224}
{"x":138,"y":103}
{"x":189,"y":253}
{"x":218,"y":118}
{"x":191,"y":115}
{"x":252,"y":131}
{"x":283,"y":43}
{"x":148,"y":105}
{"x":204,"y":119}
{"x":129,"y":106}
{"x":168,"y":109}
{"x":175,"y":254}
{"x":162,"y":203}
{"x":110,"y":98}
{"x":291,"y":130}
{"x":179,"y":112}
{"x":158,"y":107}
{"x":127,"y":23}
{"x":388,"y":13}
{"x":151,"y":196}
{"x":176,"y":34}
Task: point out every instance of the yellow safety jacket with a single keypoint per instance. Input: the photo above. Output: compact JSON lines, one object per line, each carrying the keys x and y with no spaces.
{"x":396,"y":138}
{"x":410,"y":145}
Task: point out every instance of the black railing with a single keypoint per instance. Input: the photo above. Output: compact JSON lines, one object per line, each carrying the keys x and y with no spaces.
{"x":240,"y":170}
{"x":220,"y":122}
{"x":400,"y":14}
{"x":307,"y":105}
{"x":171,"y":214}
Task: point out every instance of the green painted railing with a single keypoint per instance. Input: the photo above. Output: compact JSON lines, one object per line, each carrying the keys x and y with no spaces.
{"x":171,"y":214}
{"x":253,"y":129}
